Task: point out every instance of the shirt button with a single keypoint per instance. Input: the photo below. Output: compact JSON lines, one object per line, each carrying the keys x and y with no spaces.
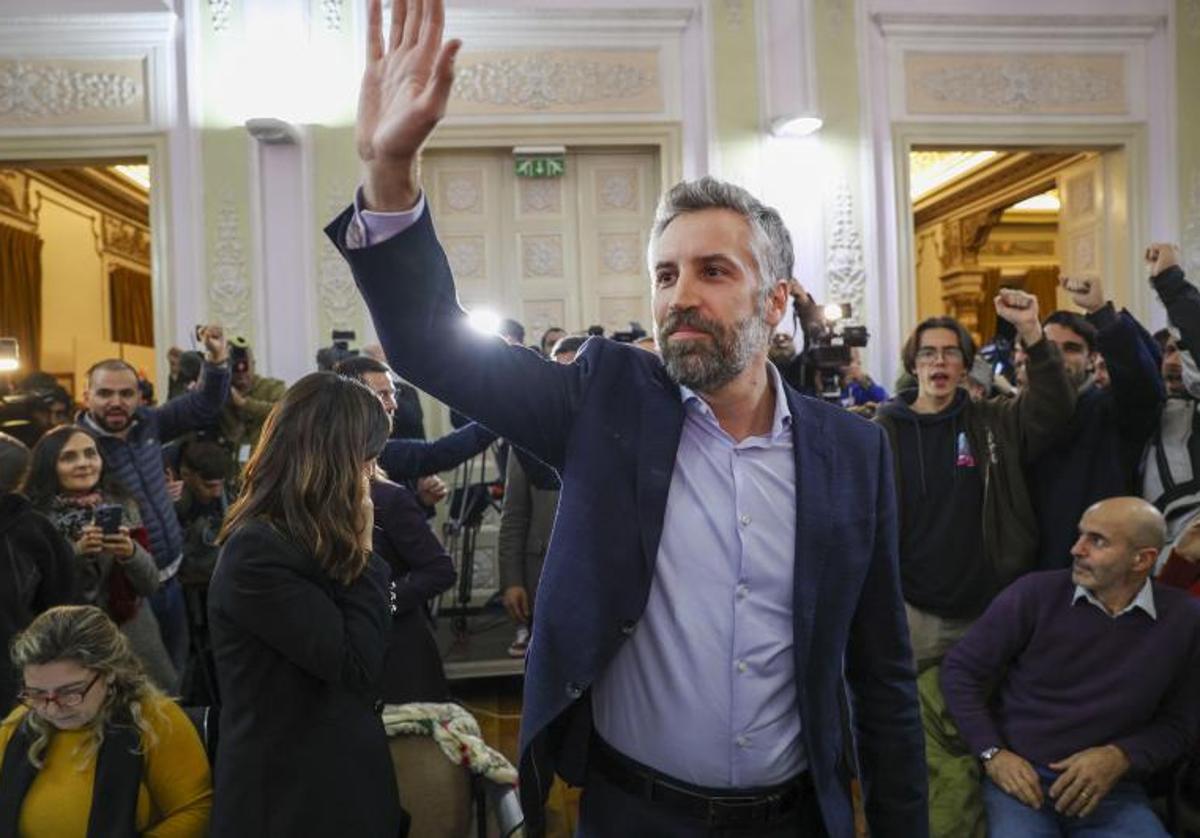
{"x":574,"y":691}
{"x":741,"y":666}
{"x":745,"y":519}
{"x":627,"y":627}
{"x":354,"y":234}
{"x":743,"y":591}
{"x":741,"y":742}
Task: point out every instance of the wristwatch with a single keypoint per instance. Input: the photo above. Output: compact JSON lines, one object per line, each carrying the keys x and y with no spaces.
{"x":985,"y":756}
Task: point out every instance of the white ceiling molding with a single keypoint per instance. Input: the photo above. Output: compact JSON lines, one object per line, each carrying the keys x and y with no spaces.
{"x":146,"y":38}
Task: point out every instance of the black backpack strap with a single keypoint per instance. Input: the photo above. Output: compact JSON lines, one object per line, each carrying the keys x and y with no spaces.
{"x":17,"y":774}
{"x":115,"y":789}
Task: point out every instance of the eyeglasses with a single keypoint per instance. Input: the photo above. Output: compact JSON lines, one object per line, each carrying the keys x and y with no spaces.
{"x":946,"y":353}
{"x":69,"y":697}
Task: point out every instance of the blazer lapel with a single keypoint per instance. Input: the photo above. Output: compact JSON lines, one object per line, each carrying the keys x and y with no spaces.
{"x":661,"y":427}
{"x":814,"y":468}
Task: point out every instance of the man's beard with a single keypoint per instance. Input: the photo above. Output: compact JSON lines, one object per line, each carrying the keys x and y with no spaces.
{"x":707,"y":365}
{"x":103,"y":422}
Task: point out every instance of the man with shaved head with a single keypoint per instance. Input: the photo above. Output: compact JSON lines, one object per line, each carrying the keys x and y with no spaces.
{"x":1075,"y":683}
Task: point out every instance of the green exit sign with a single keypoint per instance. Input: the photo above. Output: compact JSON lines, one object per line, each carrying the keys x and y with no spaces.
{"x":547,"y":165}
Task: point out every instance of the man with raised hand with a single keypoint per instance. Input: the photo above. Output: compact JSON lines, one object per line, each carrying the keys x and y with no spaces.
{"x":722,"y":573}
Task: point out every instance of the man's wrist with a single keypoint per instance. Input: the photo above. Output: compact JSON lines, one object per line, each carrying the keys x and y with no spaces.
{"x":1120,"y":754}
{"x":1030,"y":335}
{"x":390,"y":187}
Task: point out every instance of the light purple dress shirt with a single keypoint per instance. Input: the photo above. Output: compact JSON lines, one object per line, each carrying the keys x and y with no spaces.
{"x":705,"y":688}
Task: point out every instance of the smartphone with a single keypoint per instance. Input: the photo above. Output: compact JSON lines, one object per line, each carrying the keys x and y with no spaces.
{"x":108,"y":518}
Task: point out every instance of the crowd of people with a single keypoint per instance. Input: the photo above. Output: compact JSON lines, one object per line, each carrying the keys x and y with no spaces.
{"x":976,"y":602}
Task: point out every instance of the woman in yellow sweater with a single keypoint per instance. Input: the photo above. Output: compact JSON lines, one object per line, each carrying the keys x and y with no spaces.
{"x":96,"y":750}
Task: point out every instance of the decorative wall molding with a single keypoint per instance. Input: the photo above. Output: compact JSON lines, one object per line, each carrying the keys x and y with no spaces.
{"x":617,"y":190}
{"x":1015,"y":248}
{"x":41,"y":92}
{"x":616,"y":313}
{"x":1015,"y":83}
{"x":542,"y":256}
{"x":467,"y":256}
{"x":461,"y":192}
{"x":543,"y":81}
{"x":332,"y":12}
{"x":125,"y":239}
{"x":336,"y":293}
{"x":229,"y":297}
{"x":14,"y":196}
{"x":541,"y":196}
{"x":735,"y":12}
{"x":620,"y":254}
{"x":220,"y":13}
{"x":845,"y":268}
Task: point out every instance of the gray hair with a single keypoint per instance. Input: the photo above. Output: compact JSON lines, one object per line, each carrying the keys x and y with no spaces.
{"x":770,"y":241}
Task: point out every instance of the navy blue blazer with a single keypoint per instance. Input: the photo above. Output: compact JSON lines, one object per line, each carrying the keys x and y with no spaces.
{"x":610,"y":423}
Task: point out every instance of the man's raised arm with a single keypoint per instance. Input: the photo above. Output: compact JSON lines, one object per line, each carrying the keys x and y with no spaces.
{"x":400,"y":267}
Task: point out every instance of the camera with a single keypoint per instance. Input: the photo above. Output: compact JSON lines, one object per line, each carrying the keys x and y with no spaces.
{"x":339,"y":350}
{"x":239,"y":354}
{"x":828,"y":341}
{"x":634,"y":332}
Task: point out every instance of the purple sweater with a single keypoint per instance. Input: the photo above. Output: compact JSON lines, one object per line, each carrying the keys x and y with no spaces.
{"x":1045,"y":678}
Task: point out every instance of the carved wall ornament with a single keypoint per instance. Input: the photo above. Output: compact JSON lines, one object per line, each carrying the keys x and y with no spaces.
{"x":1083,"y":252}
{"x":620,"y":254}
{"x":229,"y":297}
{"x":1081,"y":195}
{"x":467,"y":256}
{"x":617,"y":189}
{"x":219,"y":13}
{"x":462,"y":192}
{"x":540,"y":315}
{"x":331,"y":15}
{"x":126,"y":239}
{"x":616,"y":313}
{"x":541,"y":196}
{"x":29,"y":91}
{"x":14,"y":194}
{"x":735,"y":12}
{"x":549,"y":80}
{"x":1036,"y":83}
{"x":845,"y":268}
{"x":965,"y":236}
{"x":336,"y":293}
{"x":541,"y":256}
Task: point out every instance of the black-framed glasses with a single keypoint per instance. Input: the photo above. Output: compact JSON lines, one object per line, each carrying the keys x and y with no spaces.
{"x":932,"y":353}
{"x":64,"y":698}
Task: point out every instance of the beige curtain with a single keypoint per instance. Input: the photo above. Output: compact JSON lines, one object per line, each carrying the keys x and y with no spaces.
{"x":132,"y":307}
{"x":21,"y":292}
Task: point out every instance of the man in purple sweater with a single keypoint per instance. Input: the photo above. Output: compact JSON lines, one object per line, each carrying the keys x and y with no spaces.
{"x":1074,"y":683}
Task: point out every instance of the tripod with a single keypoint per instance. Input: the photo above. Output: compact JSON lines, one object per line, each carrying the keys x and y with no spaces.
{"x":470,"y":500}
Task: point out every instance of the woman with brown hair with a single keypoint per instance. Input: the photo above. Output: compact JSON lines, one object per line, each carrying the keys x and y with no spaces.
{"x":299,"y":614}
{"x":97,"y":750}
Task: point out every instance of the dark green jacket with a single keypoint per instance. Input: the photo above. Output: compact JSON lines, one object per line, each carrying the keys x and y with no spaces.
{"x":1006,"y":433}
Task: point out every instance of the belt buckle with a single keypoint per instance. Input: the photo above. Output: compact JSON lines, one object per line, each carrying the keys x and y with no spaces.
{"x":727,"y":811}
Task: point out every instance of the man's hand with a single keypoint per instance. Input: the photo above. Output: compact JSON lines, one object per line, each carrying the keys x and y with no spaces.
{"x":1160,"y":256}
{"x":1016,"y":777}
{"x":1086,"y":777}
{"x":91,"y":541}
{"x":1187,"y":547}
{"x":1085,"y":293}
{"x":215,"y":346}
{"x":516,"y":602}
{"x":366,"y":515}
{"x":174,"y":486}
{"x":431,"y":489}
{"x":1021,"y":310}
{"x":403,"y":96}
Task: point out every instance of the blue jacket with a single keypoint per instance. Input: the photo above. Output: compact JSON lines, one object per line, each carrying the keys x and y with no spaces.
{"x":610,"y":423}
{"x":137,"y":460}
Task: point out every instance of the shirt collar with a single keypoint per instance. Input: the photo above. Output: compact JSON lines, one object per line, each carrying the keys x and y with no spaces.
{"x":1144,"y":600}
{"x":781,"y":423}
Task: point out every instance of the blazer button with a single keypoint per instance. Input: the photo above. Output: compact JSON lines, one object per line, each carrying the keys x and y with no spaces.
{"x":627,"y":627}
{"x":574,"y":691}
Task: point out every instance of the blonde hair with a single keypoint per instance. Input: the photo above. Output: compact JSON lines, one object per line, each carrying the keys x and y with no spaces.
{"x":85,"y":635}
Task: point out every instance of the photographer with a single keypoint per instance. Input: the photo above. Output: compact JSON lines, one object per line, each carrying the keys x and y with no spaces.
{"x":251,"y":397}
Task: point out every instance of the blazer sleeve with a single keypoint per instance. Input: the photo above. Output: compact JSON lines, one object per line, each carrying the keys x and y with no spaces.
{"x":407,"y":285}
{"x":403,"y":459}
{"x":882,"y":682}
{"x":429,"y":571}
{"x":336,"y":633}
{"x":196,"y":409}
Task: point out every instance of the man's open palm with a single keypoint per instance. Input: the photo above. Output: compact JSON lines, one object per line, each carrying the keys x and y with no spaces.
{"x":405,"y":87}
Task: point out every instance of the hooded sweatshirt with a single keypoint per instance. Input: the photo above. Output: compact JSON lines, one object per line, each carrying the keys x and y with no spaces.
{"x":37,"y":571}
{"x":943,"y":568}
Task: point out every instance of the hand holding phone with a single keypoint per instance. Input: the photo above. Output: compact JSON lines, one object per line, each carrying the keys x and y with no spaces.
{"x":108,"y":518}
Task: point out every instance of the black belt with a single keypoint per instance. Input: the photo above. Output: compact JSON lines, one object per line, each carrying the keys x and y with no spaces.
{"x":717,"y":808}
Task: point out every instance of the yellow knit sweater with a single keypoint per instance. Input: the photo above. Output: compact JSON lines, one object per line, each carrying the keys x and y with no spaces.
{"x":174,"y":799}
